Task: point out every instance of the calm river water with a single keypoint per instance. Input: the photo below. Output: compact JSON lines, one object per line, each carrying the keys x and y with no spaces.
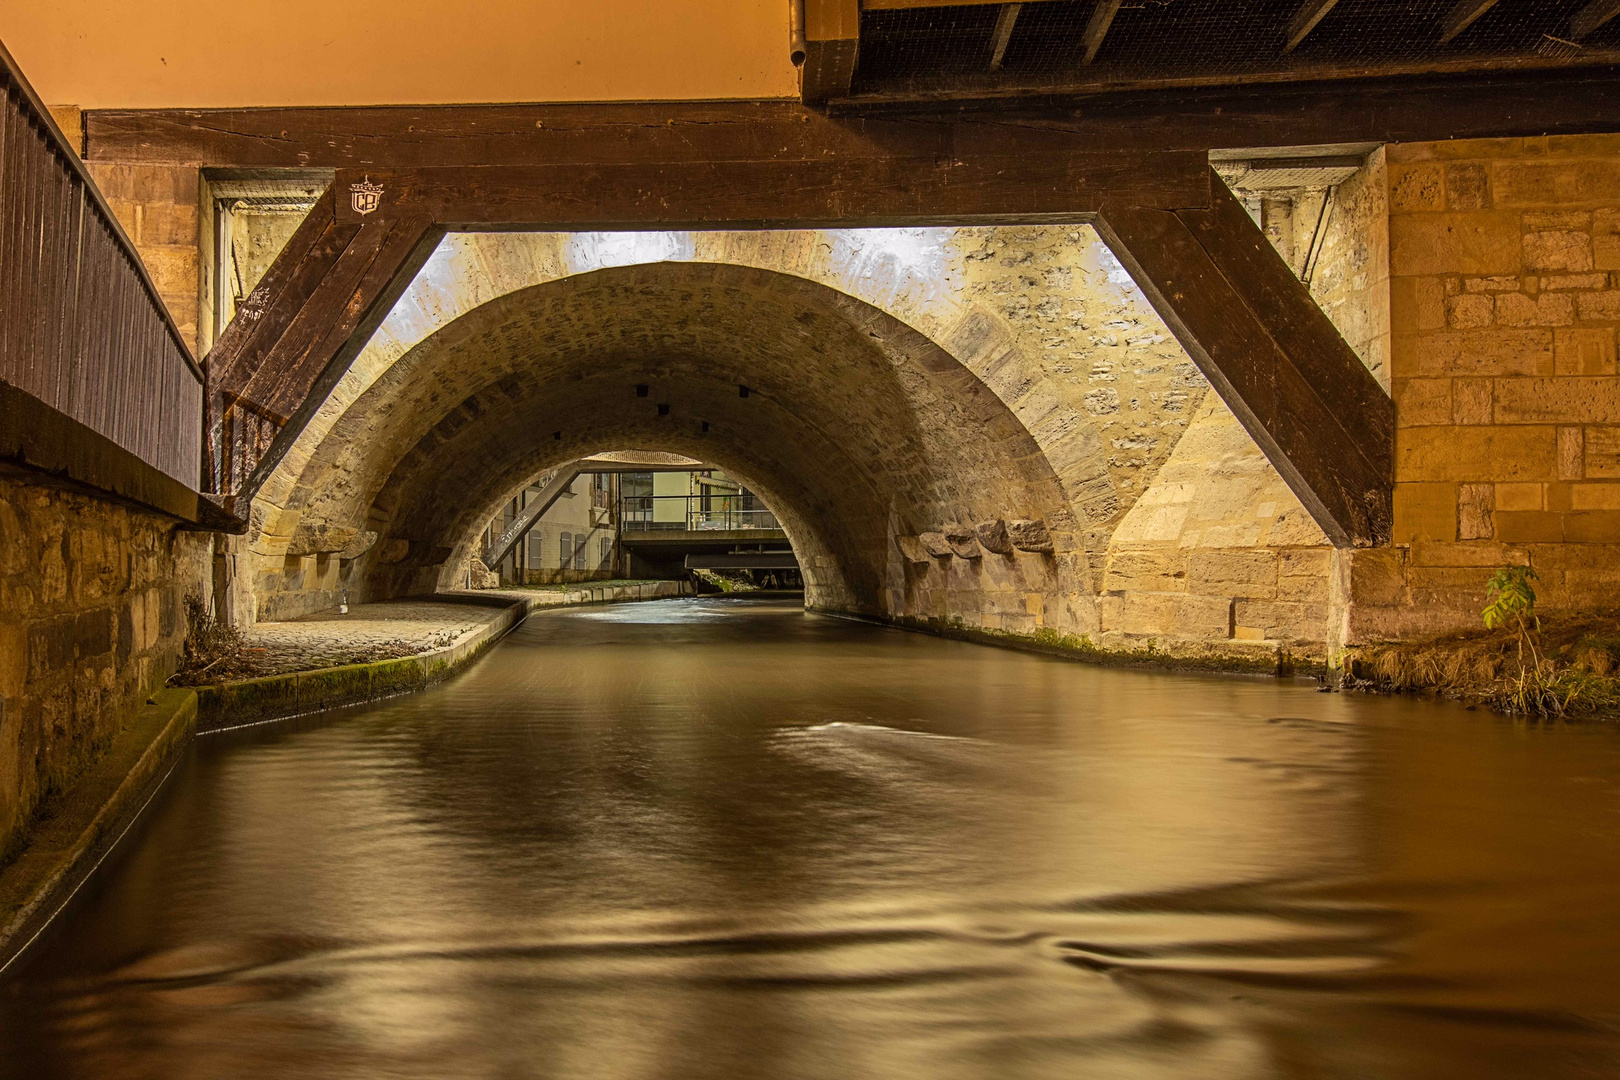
{"x":712,"y":838}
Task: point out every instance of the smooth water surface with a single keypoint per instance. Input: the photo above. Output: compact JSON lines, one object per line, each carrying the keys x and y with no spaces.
{"x":719,"y":838}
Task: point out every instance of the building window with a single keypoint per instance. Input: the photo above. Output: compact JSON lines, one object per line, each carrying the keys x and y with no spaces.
{"x":607,"y":552}
{"x":565,"y":550}
{"x":579,"y":552}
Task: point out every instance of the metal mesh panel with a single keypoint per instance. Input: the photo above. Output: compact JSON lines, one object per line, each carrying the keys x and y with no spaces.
{"x":1153,"y":41}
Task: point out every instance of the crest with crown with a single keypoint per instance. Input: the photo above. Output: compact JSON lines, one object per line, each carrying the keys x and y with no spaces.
{"x":365,"y":196}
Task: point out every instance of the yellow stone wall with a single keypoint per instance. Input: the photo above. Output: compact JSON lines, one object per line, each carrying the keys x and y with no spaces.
{"x":1504,"y":307}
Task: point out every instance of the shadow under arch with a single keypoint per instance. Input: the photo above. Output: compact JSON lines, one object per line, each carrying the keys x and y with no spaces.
{"x":853,"y":426}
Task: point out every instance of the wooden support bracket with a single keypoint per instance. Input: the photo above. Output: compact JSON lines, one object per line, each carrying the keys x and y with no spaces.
{"x":1300,"y":391}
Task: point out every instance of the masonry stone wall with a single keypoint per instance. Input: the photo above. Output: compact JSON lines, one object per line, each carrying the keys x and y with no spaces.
{"x":1504,"y":256}
{"x":91,"y":621}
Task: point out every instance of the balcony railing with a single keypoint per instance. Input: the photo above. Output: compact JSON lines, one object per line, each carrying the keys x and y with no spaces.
{"x":693,"y":513}
{"x":83,"y":329}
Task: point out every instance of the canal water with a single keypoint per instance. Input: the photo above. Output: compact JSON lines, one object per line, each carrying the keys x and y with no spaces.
{"x":728,"y":839}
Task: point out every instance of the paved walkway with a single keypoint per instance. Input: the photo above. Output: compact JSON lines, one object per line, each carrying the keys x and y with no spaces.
{"x":397,"y":628}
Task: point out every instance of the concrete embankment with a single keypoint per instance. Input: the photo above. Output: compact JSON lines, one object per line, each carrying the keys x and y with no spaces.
{"x":80,"y":826}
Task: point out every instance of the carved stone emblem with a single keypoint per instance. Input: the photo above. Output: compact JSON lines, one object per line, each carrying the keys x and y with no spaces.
{"x":365,"y":196}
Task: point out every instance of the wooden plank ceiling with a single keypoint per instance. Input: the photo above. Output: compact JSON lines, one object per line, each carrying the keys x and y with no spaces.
{"x":875,"y":52}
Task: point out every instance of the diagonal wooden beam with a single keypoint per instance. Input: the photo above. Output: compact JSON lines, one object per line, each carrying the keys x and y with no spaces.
{"x":1006,"y":19}
{"x":1592,"y":16}
{"x":1102,"y":17}
{"x":1462,"y":16}
{"x":1302,"y":393}
{"x":1304,"y":21}
{"x":296,"y":333}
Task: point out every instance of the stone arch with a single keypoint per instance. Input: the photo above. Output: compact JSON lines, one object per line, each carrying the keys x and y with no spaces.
{"x":858,"y":429}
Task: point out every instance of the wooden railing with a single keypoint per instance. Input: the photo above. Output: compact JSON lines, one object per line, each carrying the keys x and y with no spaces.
{"x":81,"y":326}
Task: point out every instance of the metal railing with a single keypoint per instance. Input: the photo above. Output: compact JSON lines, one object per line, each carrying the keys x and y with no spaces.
{"x":693,"y":513}
{"x":83,"y":328}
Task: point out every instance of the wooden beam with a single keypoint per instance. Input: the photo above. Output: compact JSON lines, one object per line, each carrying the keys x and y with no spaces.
{"x":832,"y":38}
{"x":1006,"y":19}
{"x":1102,"y":17}
{"x":1592,"y":16}
{"x":1462,"y":16}
{"x":1302,"y":393}
{"x":1304,"y":21}
{"x":1416,"y":110}
{"x":912,"y":5}
{"x":980,"y":184}
{"x":297,"y":331}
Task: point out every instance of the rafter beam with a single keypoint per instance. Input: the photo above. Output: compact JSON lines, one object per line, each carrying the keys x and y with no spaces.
{"x":1592,"y":16}
{"x":1006,"y":19}
{"x":1304,"y":21}
{"x":1102,"y":17}
{"x":1462,"y":16}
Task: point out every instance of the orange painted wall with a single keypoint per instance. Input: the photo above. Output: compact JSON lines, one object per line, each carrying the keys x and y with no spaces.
{"x":201,"y":53}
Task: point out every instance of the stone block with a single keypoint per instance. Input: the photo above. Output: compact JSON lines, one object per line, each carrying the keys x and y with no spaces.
{"x":1592,"y":526}
{"x":1496,"y":453}
{"x":1584,"y":352}
{"x":1573,"y":282}
{"x":1248,"y":633}
{"x":1601,"y":457}
{"x":1475,"y":505}
{"x":993,"y":537}
{"x":1377,"y":577}
{"x":1595,"y":497}
{"x":1468,"y":311}
{"x":1497,"y":283}
{"x":1529,"y":526}
{"x":1282,"y":621}
{"x":1203,"y":617}
{"x":13,"y":659}
{"x":1030,"y":535}
{"x":1567,"y":400}
{"x":1471,"y":401}
{"x":1151,"y":570}
{"x":1416,"y":187}
{"x":1422,"y":402}
{"x":1467,"y":186}
{"x":1557,"y":250}
{"x":1576,"y":220}
{"x":911,"y":549}
{"x":1460,"y":554}
{"x":1571,"y":453}
{"x":963,"y":541}
{"x":1544,"y":309}
{"x":1233,"y":573}
{"x":1598,"y":306}
{"x":1481,"y":242}
{"x":1556,"y":183}
{"x":1476,"y":352}
{"x":1418,"y":303}
{"x":1425,"y":511}
{"x":1606,"y":240}
{"x":1520,"y":497}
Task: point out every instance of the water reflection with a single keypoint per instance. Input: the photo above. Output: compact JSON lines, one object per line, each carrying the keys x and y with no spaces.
{"x":727,"y":839}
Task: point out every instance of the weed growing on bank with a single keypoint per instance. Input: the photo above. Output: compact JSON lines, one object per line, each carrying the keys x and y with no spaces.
{"x":1522,"y":664}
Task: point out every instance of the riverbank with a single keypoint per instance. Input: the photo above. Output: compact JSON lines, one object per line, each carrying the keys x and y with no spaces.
{"x":1565,"y":665}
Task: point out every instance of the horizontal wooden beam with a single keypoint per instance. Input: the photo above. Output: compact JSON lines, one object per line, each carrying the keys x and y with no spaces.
{"x":1308,"y":401}
{"x":1416,"y":110}
{"x":985,"y":186}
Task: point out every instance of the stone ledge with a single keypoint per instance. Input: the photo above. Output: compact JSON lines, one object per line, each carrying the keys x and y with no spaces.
{"x":84,"y":823}
{"x":276,"y":697}
{"x":1260,"y":657}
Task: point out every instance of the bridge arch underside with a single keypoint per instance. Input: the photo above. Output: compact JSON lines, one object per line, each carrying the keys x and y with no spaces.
{"x":855,"y":428}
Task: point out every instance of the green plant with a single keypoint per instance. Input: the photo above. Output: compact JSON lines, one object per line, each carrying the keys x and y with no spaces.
{"x":1511,"y":596}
